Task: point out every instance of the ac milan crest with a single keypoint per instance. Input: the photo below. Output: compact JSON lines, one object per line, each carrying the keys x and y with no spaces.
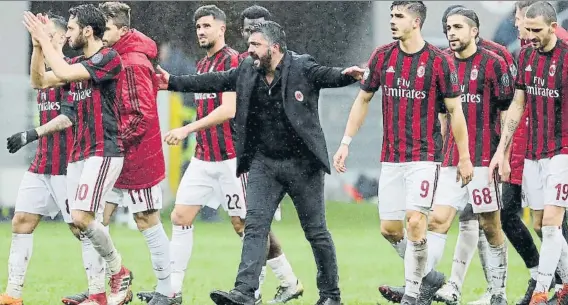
{"x":552,"y":70}
{"x":299,"y":96}
{"x":474,"y":73}
{"x":421,"y":71}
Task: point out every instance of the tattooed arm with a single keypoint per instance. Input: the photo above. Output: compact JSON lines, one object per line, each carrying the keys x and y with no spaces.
{"x":61,"y":122}
{"x":503,"y":121}
{"x":514,"y":114}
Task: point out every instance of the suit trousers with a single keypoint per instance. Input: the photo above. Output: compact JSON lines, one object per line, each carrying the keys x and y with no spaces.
{"x":268,"y":181}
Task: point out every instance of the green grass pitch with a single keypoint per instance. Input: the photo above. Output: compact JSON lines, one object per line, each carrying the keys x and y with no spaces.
{"x":366,"y":260}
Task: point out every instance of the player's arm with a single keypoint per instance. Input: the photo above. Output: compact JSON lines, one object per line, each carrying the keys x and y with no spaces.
{"x":61,"y":71}
{"x":503,"y":91}
{"x":443,"y":119}
{"x":210,"y":82}
{"x":458,"y":125}
{"x":59,"y":123}
{"x":447,"y":82}
{"x":326,"y":77}
{"x":40,"y":78}
{"x":514,"y":114}
{"x":224,"y":112}
{"x":139,"y":101}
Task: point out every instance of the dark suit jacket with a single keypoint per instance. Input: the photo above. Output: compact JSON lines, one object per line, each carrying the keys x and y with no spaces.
{"x":302,"y":79}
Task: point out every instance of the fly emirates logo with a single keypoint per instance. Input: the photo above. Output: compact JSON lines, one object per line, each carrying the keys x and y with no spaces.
{"x":469,"y":97}
{"x":537,"y":88}
{"x":81,"y":92}
{"x":402,"y":90}
{"x":46,"y":105}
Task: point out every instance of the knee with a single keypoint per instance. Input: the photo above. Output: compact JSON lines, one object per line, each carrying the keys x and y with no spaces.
{"x":393,"y":234}
{"x":491,"y":228}
{"x":415,"y":220}
{"x":181,"y":219}
{"x":314,"y":233}
{"x":439,"y":224}
{"x":24,"y":223}
{"x":146,"y":220}
{"x":81,"y":219}
{"x":238,"y":225}
{"x":75,"y":231}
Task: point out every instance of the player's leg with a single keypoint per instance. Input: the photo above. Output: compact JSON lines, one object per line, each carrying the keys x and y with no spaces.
{"x":420,"y":180}
{"x":485,"y":197}
{"x":194,"y":191}
{"x":145,"y":205}
{"x":449,"y":197}
{"x":290,"y":286}
{"x":31,"y":204}
{"x":96,"y":180}
{"x":554,"y":249}
{"x":464,"y":250}
{"x":518,"y":234}
{"x":92,"y":262}
{"x":391,"y":210}
{"x":109,"y":210}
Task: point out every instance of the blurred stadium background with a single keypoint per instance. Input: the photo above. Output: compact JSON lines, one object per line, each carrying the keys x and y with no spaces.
{"x":335,"y":33}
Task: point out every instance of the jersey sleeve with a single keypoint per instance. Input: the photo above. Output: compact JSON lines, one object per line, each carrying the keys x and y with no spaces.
{"x":447,"y":78}
{"x":371,"y":81}
{"x":103,"y":66}
{"x":501,"y":84}
{"x":520,"y":82}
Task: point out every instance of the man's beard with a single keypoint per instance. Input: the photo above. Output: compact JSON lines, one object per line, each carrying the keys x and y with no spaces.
{"x":265,"y":62}
{"x":80,"y":42}
{"x":208,"y":45}
{"x":461,"y":46}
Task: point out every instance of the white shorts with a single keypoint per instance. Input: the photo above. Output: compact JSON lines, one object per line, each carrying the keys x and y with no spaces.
{"x":482,"y":196}
{"x":89,"y":181}
{"x":137,"y":200}
{"x":545,"y":182}
{"x":406,"y":186}
{"x":202,"y":180}
{"x":44,"y":195}
{"x":532,"y":185}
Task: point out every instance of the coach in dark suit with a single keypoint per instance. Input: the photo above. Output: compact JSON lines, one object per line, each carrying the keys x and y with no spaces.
{"x":282,"y":147}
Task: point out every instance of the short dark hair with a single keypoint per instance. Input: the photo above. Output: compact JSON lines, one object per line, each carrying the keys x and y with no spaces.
{"x":470,"y":16}
{"x":117,"y":11}
{"x":415,"y":7}
{"x":272,"y":31}
{"x":209,"y":10}
{"x":524,"y":4}
{"x":255,"y":12}
{"x":90,"y":15}
{"x":445,"y":16}
{"x":544,"y":9}
{"x":59,"y":22}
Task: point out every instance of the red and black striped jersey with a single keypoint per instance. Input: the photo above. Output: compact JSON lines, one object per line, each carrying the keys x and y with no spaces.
{"x":487,"y":89}
{"x":54,"y":150}
{"x":544,"y":78}
{"x":413,"y":89}
{"x":93,"y":106}
{"x":215,"y":143}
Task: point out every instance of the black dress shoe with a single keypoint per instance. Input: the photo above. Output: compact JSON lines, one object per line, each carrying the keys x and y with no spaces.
{"x":328,"y":301}
{"x":233,"y":297}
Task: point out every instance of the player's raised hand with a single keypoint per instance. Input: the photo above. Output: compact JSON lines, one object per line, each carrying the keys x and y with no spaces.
{"x":465,"y":171}
{"x":355,"y":72}
{"x":36,"y":26}
{"x":340,"y":157}
{"x":20,"y":139}
{"x":163,"y":78}
{"x":175,"y":136}
{"x":497,"y":162}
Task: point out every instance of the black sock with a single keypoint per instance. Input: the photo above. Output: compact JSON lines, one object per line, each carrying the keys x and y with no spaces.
{"x":514,"y":228}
